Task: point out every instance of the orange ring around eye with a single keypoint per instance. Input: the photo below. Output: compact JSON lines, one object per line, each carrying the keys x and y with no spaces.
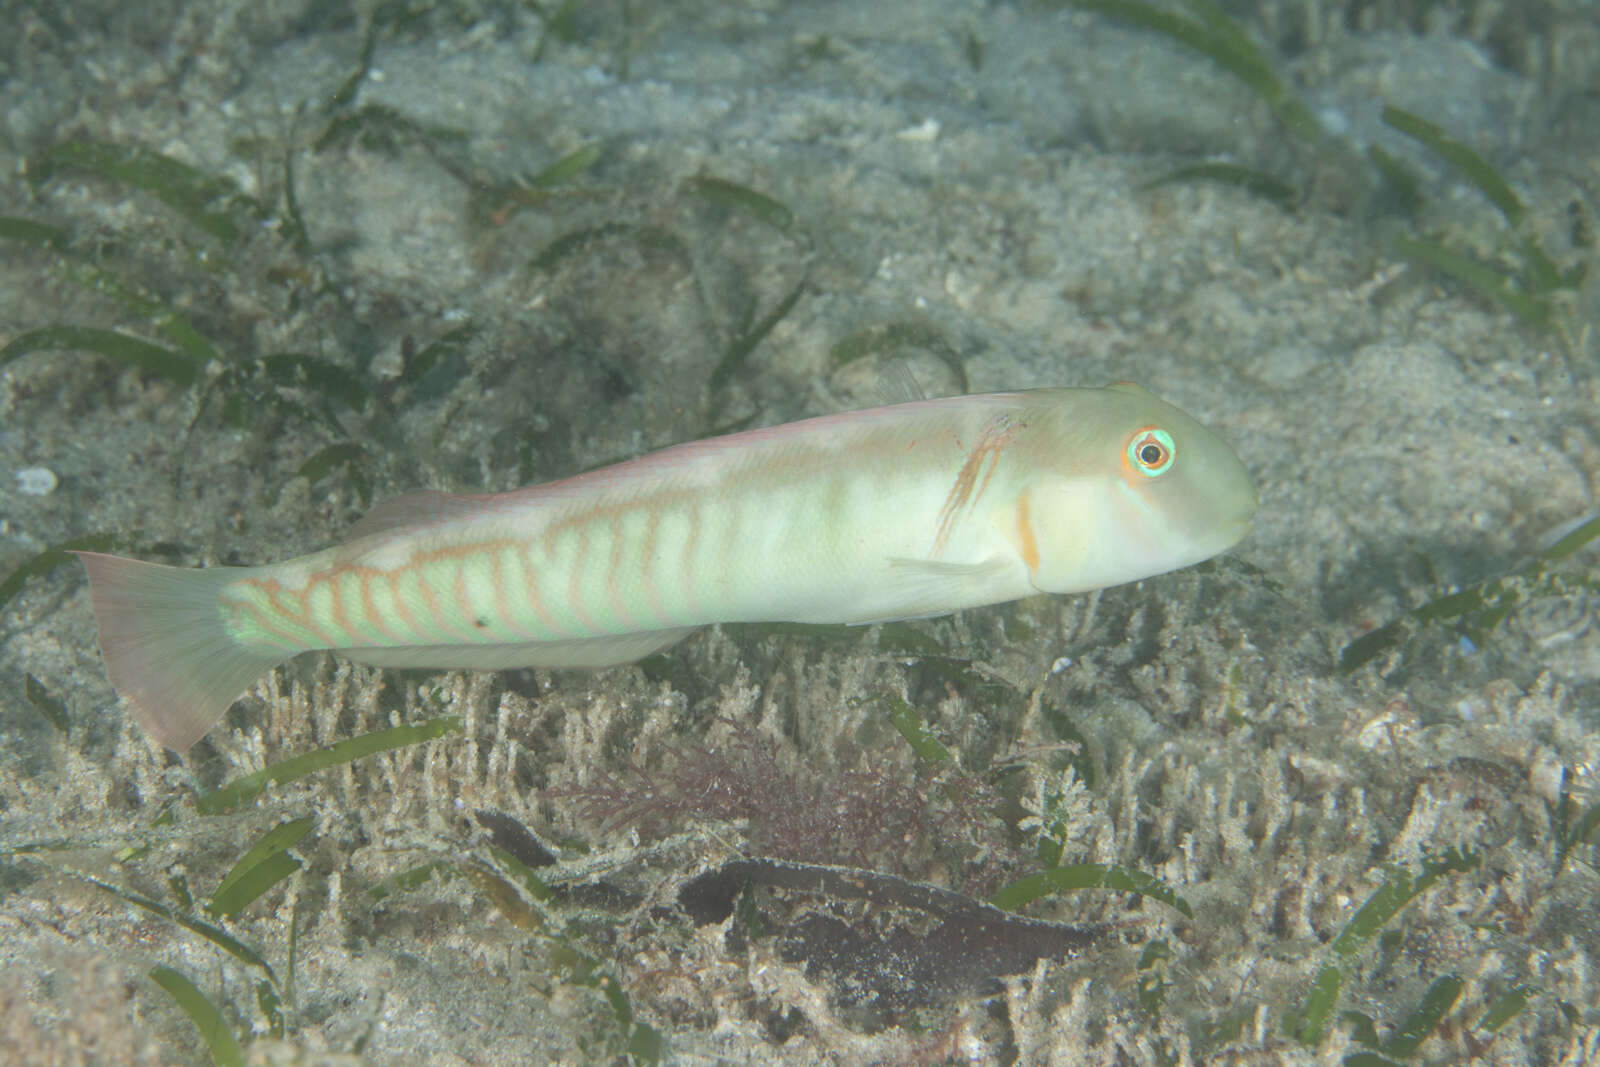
{"x":1151,"y":451}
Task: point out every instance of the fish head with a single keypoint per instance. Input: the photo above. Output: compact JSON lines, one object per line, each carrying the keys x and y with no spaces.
{"x":1135,"y":487}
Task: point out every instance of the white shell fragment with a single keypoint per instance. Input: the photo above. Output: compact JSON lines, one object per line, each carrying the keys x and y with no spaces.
{"x":37,"y":481}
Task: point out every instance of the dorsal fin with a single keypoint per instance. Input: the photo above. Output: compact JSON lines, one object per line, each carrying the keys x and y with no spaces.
{"x":898,"y":384}
{"x":413,"y":510}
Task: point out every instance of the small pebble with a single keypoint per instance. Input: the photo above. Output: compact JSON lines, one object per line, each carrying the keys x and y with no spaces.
{"x":37,"y":481}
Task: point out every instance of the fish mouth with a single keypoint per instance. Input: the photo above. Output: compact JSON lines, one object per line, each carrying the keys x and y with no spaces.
{"x":1231,"y":533}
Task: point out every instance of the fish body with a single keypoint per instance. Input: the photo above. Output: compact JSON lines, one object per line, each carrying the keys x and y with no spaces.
{"x":895,"y":512}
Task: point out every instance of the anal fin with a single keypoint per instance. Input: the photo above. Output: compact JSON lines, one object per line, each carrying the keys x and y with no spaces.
{"x":589,"y":653}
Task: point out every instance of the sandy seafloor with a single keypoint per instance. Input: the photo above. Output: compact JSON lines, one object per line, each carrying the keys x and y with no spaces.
{"x":979,"y":172}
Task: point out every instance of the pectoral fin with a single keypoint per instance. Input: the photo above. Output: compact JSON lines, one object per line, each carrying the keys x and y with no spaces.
{"x":923,"y":587}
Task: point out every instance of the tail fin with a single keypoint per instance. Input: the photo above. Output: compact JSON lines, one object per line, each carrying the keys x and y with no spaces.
{"x":165,"y":647}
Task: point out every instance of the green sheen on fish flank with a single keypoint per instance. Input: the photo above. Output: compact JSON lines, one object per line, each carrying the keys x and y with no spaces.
{"x":890,"y":513}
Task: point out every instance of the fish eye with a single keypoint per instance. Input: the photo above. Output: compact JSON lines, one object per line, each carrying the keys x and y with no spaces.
{"x":1151,"y":451}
